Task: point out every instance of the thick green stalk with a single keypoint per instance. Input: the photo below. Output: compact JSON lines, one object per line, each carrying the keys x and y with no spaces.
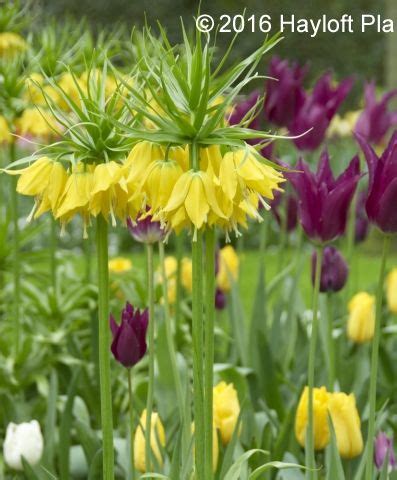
{"x":198,"y":355}
{"x":374,"y":363}
{"x":150,"y":393}
{"x":330,"y":344}
{"x":53,"y":251}
{"x":131,"y":413}
{"x":209,"y":347}
{"x":15,"y":259}
{"x":168,"y":333}
{"x":104,"y":348}
{"x":310,"y":457}
{"x":179,"y":254}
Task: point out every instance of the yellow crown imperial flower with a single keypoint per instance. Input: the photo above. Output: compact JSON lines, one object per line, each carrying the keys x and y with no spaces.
{"x":391,"y":290}
{"x":50,"y":198}
{"x":320,"y":414}
{"x":226,"y":410}
{"x":139,"y":159}
{"x":11,"y":43}
{"x":361,"y":321}
{"x":346,"y":423}
{"x":33,"y":179}
{"x":5,"y":133}
{"x":157,"y":438}
{"x":37,"y":123}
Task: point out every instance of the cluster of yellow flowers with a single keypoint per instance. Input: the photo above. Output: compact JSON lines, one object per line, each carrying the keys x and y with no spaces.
{"x":342,"y":410}
{"x":224,"y":193}
{"x":226,"y":412}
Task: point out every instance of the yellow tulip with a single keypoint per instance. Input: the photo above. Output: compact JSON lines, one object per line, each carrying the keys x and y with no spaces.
{"x":157,"y":435}
{"x":320,"y":415}
{"x":391,"y":290}
{"x":228,"y":268}
{"x":361,"y":322}
{"x":347,"y":425}
{"x":226,"y":410}
{"x":120,"y":265}
{"x":187,"y":274}
{"x":170,"y":266}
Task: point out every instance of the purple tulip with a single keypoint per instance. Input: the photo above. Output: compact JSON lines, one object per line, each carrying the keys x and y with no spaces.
{"x":267,"y":151}
{"x":317,"y":111}
{"x":334,"y":270}
{"x":220,"y":299}
{"x":284,"y":91}
{"x":382,"y":189}
{"x":241,"y":110}
{"x":129,"y":338}
{"x":362,"y":223}
{"x":323,"y":201}
{"x":384,"y":447}
{"x":144,"y":230}
{"x":376,"y":119}
{"x":291,"y":207}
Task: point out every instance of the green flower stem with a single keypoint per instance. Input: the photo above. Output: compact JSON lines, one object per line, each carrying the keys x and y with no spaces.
{"x":179,"y":254}
{"x":209,"y":347}
{"x":374,"y":362}
{"x":168,"y":333}
{"x":198,"y":355}
{"x":310,"y":458}
{"x":53,"y":250}
{"x":330,"y":343}
{"x":15,"y":246}
{"x":150,"y":393}
{"x":351,"y":231}
{"x":104,"y":348}
{"x":131,"y":413}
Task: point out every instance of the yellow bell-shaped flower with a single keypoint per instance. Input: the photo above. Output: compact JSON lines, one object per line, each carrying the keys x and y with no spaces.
{"x":157,"y":439}
{"x":391,"y":290}
{"x":11,"y":43}
{"x":347,"y":424}
{"x":361,"y":321}
{"x":226,"y":410}
{"x":320,"y":416}
{"x":37,"y":123}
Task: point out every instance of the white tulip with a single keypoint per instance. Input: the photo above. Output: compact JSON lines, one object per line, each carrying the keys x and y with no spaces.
{"x":23,"y":440}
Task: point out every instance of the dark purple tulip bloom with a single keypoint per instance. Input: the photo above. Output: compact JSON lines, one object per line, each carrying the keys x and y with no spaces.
{"x":285,"y":95}
{"x":317,"y":112}
{"x":362,"y":223}
{"x":291,"y":207}
{"x":220,"y":299}
{"x":144,"y":230}
{"x":334,"y":270}
{"x":267,"y":151}
{"x":129,"y":338}
{"x":241,"y":110}
{"x":376,"y":119}
{"x":382,"y":188}
{"x":323,"y":201}
{"x":384,"y":447}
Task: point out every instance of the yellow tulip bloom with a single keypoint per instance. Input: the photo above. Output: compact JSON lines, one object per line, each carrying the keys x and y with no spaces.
{"x":226,"y":410}
{"x":120,"y":265}
{"x":347,"y":425}
{"x":320,"y":409}
{"x":391,"y":290}
{"x":228,"y":268}
{"x":11,"y":43}
{"x":361,"y":322}
{"x":187,"y":274}
{"x":157,"y":438}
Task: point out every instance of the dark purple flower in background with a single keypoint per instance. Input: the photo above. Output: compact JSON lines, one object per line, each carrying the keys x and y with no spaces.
{"x":240,"y":110}
{"x":382,"y":187}
{"x":323,"y":201}
{"x":334,"y":270}
{"x":317,"y":112}
{"x":362,"y":222}
{"x":290,"y":204}
{"x":267,"y":151}
{"x":375,"y":121}
{"x":144,"y":230}
{"x":384,"y":447}
{"x":129,"y":338}
{"x":284,"y":91}
{"x":220,"y":299}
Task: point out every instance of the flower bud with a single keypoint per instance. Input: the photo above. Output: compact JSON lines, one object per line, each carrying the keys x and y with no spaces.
{"x":226,"y":410}
{"x":346,"y":423}
{"x":23,"y":440}
{"x":384,"y":448}
{"x":220,"y":299}
{"x":361,"y":321}
{"x":391,"y":290}
{"x":129,"y":338}
{"x":334,"y":270}
{"x":157,"y":438}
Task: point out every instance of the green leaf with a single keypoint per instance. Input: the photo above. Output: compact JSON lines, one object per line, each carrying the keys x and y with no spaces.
{"x":333,"y":460}
{"x":234,"y":473}
{"x":30,"y":473}
{"x":279,"y":465}
{"x":50,"y":422}
{"x":95,"y":472}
